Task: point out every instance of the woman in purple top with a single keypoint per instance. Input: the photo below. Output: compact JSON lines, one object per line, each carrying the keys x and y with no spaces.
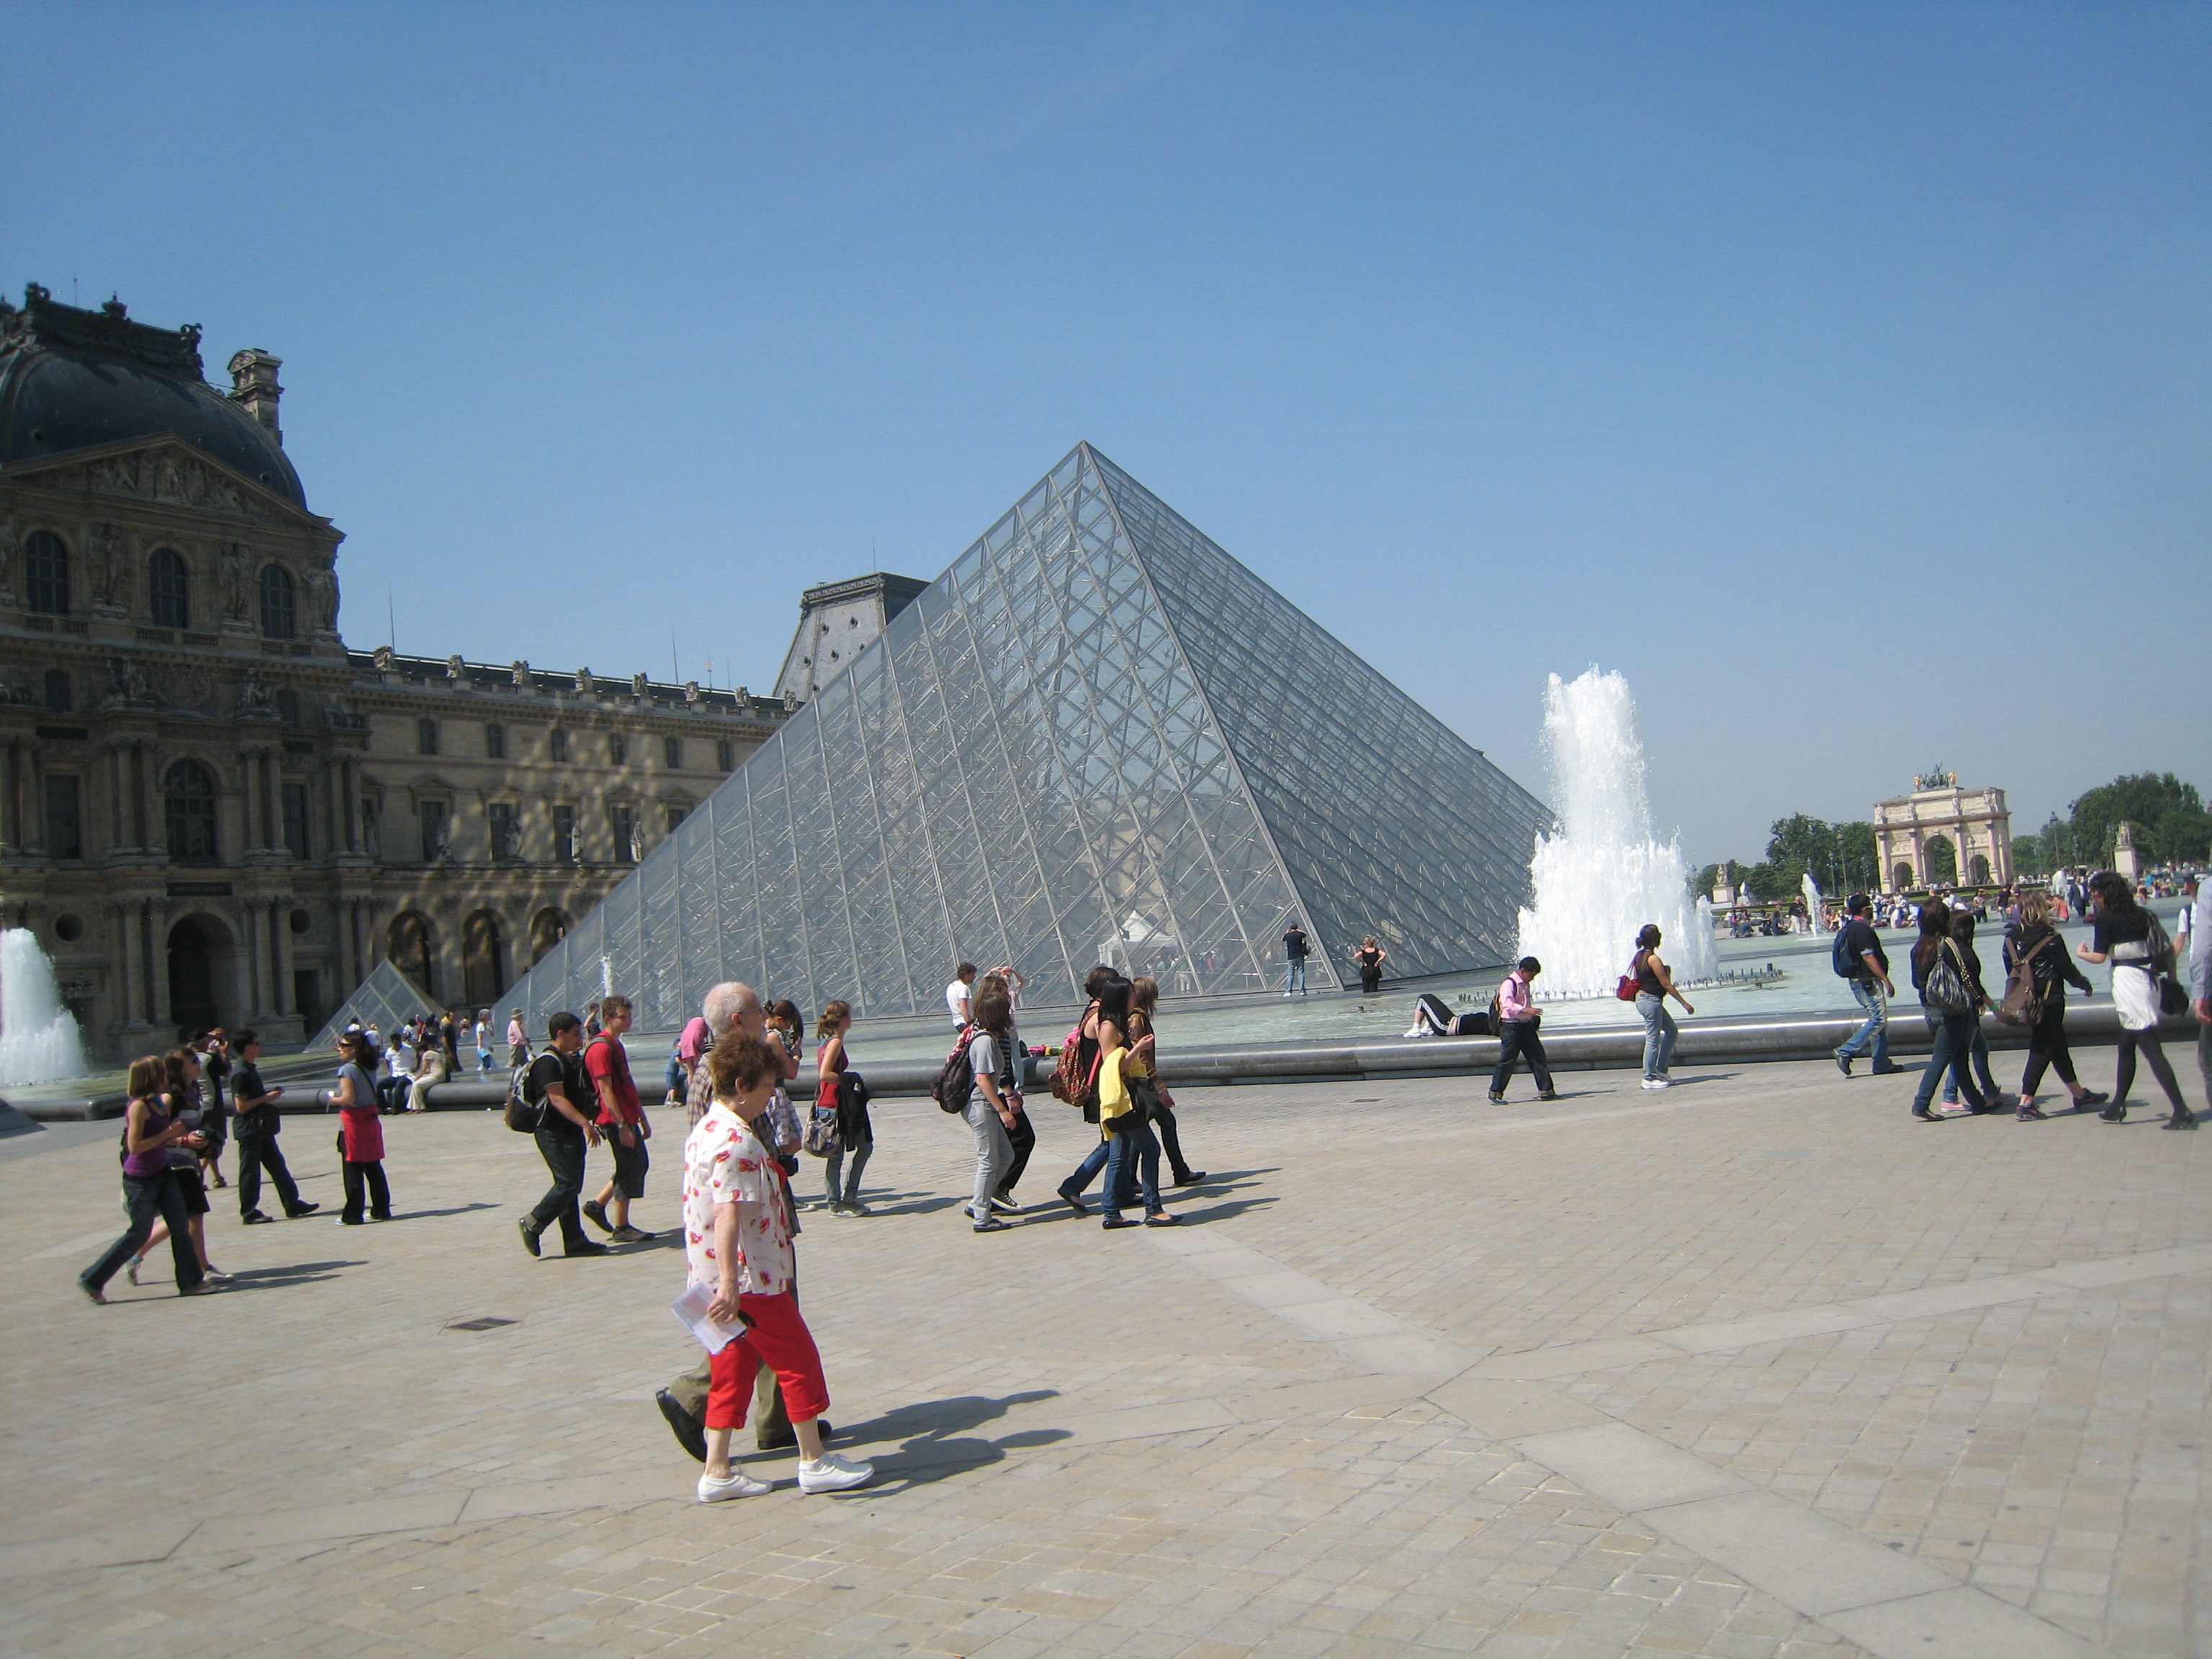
{"x":182,"y":1095}
{"x":149,"y":1188}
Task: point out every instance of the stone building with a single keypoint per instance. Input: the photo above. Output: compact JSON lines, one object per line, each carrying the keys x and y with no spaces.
{"x":837,"y":620}
{"x":1914,"y":832}
{"x":210,"y":810}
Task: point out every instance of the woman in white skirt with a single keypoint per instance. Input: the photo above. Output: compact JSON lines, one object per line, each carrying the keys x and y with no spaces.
{"x":2124,"y":936}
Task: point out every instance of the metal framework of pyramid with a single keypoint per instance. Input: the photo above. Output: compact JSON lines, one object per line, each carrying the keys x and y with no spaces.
{"x":1097,"y":736}
{"x":385,"y":1000}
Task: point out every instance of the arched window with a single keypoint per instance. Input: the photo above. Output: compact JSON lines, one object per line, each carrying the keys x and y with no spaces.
{"x":45,"y":574}
{"x":483,"y":959}
{"x":279,"y":615}
{"x":168,"y":589}
{"x":547,"y":929}
{"x":189,"y":789}
{"x":410,"y":951}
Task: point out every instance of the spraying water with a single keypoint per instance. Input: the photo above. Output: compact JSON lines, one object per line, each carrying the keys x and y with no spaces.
{"x":1605,"y":874}
{"x":39,"y":1039}
{"x":1813,"y":909}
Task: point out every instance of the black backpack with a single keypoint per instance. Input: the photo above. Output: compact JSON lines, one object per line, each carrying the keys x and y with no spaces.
{"x":957,"y":1080}
{"x":524,"y":1115}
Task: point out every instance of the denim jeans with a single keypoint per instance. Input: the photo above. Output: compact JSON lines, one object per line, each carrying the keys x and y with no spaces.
{"x":1142,"y":1147}
{"x":1171,"y":1142}
{"x":1871,"y":997}
{"x":994,"y":1152}
{"x":1659,"y":1033}
{"x":144,"y":1198}
{"x":675,"y":1076}
{"x":1094,"y":1161}
{"x":1955,"y":1044}
{"x":835,"y":1166}
{"x":1978,"y":1054}
{"x":1294,"y":980}
{"x":563,"y":1149}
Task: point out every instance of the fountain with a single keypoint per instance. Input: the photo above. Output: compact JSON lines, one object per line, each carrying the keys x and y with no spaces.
{"x":1605,"y":874}
{"x":1813,"y":913}
{"x":39,"y":1039}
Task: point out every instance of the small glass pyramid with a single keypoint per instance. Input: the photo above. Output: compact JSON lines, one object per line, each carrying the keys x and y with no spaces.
{"x":1096,"y":738}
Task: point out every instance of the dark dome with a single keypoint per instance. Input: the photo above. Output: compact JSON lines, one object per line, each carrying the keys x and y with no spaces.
{"x":76,"y":380}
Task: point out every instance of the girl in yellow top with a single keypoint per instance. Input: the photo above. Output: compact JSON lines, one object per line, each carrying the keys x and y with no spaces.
{"x":1124,"y":1118}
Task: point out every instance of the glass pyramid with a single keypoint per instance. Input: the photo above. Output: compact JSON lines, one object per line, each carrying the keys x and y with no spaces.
{"x":1097,"y":736}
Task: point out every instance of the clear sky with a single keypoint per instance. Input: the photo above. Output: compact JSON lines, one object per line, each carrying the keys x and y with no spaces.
{"x":1841,"y":374}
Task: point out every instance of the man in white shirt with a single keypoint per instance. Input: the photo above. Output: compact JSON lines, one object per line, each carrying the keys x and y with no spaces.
{"x":956,"y":999}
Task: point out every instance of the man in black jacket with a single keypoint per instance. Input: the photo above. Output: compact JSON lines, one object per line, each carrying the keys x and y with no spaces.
{"x":255,"y":1122}
{"x":1871,"y":985}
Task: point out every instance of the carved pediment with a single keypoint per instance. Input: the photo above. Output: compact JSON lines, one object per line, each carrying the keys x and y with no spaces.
{"x":167,"y":472}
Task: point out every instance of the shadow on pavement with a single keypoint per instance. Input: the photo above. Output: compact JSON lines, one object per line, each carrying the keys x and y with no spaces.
{"x":296,"y":1273}
{"x":425,"y":1215}
{"x":935,"y":1440}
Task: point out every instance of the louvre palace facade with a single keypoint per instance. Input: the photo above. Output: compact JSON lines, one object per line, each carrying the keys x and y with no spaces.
{"x":211,"y":810}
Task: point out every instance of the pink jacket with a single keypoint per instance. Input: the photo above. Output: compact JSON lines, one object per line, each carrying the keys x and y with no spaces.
{"x":1514,"y":1002}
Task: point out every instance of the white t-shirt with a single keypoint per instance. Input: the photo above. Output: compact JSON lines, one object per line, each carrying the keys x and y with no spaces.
{"x":956,"y":999}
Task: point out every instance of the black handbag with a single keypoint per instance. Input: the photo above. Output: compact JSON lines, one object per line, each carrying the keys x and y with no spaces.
{"x":1144,"y":1105}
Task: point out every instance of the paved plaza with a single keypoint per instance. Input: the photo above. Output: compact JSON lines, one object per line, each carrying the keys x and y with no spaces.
{"x":1755,"y":1367}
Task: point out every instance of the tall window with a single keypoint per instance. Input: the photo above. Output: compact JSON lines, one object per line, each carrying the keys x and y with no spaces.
{"x":58,"y":699}
{"x":287,"y":706}
{"x":617,"y":748}
{"x":675,"y":815}
{"x":189,"y":806}
{"x":672,"y":752}
{"x":168,"y":592}
{"x":726,"y":755}
{"x":294,"y":798}
{"x":46,"y":574}
{"x":624,"y":821}
{"x":506,"y":832}
{"x":495,"y":743}
{"x":557,"y":743}
{"x":564,"y":834}
{"x":426,"y":736}
{"x":64,"y":828}
{"x":436,"y":842}
{"x":279,"y":615}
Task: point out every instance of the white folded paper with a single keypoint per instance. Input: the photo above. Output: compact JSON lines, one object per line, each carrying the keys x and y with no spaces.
{"x":690,"y":1311}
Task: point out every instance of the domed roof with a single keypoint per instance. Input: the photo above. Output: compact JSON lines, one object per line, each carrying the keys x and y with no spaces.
{"x":76,"y":380}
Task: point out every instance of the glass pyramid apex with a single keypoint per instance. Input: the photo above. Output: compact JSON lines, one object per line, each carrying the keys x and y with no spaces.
{"x":1096,"y":736}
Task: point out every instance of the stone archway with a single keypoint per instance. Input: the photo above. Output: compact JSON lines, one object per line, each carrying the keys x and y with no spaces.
{"x":483,"y":960}
{"x":1942,"y":855}
{"x":203,"y":974}
{"x":409,"y":944}
{"x":547,"y":929}
{"x":1977,"y":870}
{"x":1900,"y":876}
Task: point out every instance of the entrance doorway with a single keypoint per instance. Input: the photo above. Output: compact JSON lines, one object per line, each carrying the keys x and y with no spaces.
{"x":202,"y":956}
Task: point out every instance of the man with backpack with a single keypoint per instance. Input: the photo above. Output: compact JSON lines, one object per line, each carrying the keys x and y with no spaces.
{"x":1294,"y":952}
{"x":1860,"y":959}
{"x":557,"y":1085}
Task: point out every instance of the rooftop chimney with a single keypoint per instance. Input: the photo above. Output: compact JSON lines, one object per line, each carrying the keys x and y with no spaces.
{"x":254,"y":383}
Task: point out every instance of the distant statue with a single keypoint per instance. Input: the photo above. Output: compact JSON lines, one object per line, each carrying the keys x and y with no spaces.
{"x":584,"y":682}
{"x":254,"y":702}
{"x":127,"y":683}
{"x":690,"y":691}
{"x":521,"y":670}
{"x":386,"y":658}
{"x":455,"y":668}
{"x":640,"y":687}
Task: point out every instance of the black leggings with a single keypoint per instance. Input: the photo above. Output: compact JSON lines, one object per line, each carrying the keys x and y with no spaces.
{"x":2046,"y":1047}
{"x":2155,"y":1057}
{"x":1022,"y":1138}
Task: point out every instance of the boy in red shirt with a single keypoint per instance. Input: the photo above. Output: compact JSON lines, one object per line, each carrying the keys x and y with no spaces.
{"x":622,"y":1122}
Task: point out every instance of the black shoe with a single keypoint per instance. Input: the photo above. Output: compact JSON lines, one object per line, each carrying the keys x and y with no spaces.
{"x":2029,"y":1114}
{"x":352,"y":1221}
{"x":1496,"y":1098}
{"x":530,"y":1240}
{"x":2089,"y":1098}
{"x":627,"y":1234}
{"x":1887,"y":1070}
{"x":1190,"y":1177}
{"x":255,"y":1219}
{"x":303,"y":1211}
{"x":1843,"y":1064}
{"x":776,"y":1438}
{"x":1074,"y":1202}
{"x":2180,"y":1120}
{"x":689,"y":1432}
{"x":1113,"y":1222}
{"x":1922,"y":1115}
{"x":596,"y":1213}
{"x":1548,"y":1094}
{"x":1163,"y":1219}
{"x":586,"y":1247}
{"x":2114,"y":1113}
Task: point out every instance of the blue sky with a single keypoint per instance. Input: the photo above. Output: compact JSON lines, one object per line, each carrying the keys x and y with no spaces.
{"x":1840,"y":373}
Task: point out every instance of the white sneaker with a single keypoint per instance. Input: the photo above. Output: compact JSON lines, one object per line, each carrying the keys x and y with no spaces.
{"x":1658,"y":1083}
{"x":834,"y":1473}
{"x":739,"y":1484}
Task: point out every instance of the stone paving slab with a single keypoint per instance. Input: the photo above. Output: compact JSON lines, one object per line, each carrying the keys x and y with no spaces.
{"x":1412,"y":1379}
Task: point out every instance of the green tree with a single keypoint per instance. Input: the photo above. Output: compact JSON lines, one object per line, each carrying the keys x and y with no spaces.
{"x":2169,"y":816}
